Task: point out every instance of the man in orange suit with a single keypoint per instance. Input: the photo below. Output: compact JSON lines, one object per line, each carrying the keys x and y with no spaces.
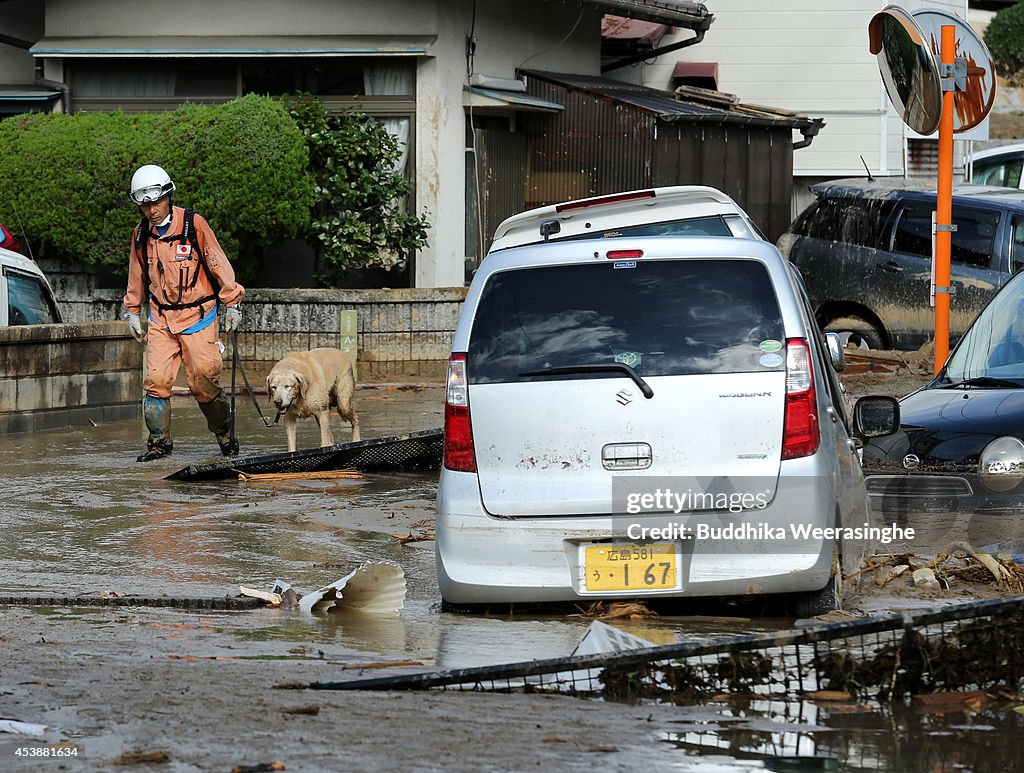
{"x":179,"y":269}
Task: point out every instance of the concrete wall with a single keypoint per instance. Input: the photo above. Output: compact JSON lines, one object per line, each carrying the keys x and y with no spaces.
{"x":65,"y":375}
{"x":400,"y":333}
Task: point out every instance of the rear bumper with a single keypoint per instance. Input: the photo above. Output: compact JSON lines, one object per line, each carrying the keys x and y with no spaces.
{"x":482,"y":559}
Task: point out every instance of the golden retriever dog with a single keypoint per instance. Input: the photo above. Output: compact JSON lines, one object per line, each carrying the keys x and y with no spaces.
{"x":310,"y":383}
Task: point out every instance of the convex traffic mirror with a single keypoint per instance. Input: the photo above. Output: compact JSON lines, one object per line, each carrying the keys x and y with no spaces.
{"x":909,"y":70}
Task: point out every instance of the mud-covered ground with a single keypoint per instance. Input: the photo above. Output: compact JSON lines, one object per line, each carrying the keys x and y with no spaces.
{"x":187,"y":690}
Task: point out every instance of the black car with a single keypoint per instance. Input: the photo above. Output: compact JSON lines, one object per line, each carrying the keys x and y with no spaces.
{"x":961,"y":442}
{"x":864,"y":249}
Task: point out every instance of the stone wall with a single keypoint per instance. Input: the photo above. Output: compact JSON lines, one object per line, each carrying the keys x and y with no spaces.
{"x":400,"y":332}
{"x":66,"y":375}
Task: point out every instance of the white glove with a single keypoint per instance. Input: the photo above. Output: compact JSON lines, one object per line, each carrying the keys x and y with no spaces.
{"x":134,"y":322}
{"x":232,"y":319}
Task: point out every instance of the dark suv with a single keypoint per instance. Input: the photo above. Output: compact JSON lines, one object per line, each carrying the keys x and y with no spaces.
{"x":864,"y":249}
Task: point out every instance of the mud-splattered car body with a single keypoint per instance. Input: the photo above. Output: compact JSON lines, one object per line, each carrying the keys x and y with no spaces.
{"x":644,"y":416}
{"x":864,"y":249}
{"x":961,"y":440}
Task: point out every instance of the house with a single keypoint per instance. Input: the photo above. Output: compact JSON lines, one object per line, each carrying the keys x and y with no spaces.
{"x":811,"y":56}
{"x":438,"y":72}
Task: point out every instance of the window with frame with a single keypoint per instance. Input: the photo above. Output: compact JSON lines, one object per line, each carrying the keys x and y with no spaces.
{"x":972,"y":243}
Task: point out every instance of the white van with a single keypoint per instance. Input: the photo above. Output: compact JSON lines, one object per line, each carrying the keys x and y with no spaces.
{"x":647,"y":417}
{"x":25,"y":296}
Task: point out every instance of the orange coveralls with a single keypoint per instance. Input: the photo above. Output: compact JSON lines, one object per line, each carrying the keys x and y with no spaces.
{"x":172,"y":269}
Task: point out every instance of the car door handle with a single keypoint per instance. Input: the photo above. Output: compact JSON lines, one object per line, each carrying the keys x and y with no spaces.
{"x":891,"y":266}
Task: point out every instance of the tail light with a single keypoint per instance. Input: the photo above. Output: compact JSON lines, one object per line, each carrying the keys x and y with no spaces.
{"x":598,"y":201}
{"x":800,"y":433}
{"x":459,"y":454}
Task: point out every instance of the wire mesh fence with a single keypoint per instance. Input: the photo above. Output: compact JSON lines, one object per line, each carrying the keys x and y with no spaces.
{"x":413,"y":451}
{"x":973,"y":646}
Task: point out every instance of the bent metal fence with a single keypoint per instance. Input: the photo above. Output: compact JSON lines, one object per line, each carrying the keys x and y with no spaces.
{"x":413,"y":451}
{"x":973,"y":646}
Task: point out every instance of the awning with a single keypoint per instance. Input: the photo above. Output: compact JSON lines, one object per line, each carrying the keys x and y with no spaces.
{"x":27,"y":94}
{"x":678,"y":13}
{"x":208,"y":46}
{"x":506,"y":101}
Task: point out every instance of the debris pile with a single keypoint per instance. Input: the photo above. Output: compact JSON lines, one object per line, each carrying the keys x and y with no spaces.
{"x":958,"y":562}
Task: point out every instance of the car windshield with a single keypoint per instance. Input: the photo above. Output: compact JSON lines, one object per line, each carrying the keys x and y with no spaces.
{"x":993,"y":348}
{"x":660,"y":317}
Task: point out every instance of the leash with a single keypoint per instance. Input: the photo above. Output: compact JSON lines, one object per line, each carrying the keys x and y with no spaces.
{"x":234,"y":365}
{"x":237,"y":364}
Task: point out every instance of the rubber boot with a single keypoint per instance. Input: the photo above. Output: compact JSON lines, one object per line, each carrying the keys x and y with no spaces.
{"x":157,"y":413}
{"x":218,"y":419}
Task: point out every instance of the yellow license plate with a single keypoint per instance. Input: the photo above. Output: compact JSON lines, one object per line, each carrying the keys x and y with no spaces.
{"x":628,"y":567}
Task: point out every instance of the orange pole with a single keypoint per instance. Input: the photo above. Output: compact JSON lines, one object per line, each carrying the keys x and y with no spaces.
{"x":944,"y":209}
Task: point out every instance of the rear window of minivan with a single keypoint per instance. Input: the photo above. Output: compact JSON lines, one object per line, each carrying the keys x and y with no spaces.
{"x":662,"y":317}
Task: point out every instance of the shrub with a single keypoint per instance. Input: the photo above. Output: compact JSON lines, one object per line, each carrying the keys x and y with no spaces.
{"x":1004,"y":37}
{"x":242,"y":165}
{"x":358,"y":218}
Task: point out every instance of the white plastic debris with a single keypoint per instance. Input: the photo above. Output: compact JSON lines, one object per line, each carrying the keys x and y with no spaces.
{"x":21,"y":728}
{"x":601,"y":637}
{"x":376,"y":587}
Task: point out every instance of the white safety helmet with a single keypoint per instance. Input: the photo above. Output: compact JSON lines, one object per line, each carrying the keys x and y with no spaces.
{"x":150,"y":183}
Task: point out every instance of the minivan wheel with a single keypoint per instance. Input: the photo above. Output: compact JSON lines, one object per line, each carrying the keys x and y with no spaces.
{"x":821,"y":601}
{"x":857,"y":333}
{"x":460,"y":609}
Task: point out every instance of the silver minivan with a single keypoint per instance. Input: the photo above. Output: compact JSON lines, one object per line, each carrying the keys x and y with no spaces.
{"x":648,"y":417}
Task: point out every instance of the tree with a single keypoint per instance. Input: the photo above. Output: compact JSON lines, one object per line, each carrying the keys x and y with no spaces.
{"x":243,"y":165}
{"x":358,"y":219}
{"x":1004,"y":37}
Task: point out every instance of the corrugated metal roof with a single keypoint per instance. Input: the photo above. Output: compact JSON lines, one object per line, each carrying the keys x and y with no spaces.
{"x":668,"y":108}
{"x":621,"y":28}
{"x":510,"y":99}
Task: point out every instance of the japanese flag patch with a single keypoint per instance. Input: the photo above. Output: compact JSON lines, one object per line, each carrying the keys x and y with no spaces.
{"x":183,"y":252}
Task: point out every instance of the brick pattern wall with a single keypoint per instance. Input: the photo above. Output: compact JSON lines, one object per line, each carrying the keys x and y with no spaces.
{"x":401,"y":332}
{"x":65,"y":375}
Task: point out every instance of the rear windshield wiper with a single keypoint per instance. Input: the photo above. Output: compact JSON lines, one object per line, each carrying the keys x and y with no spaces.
{"x":607,"y":367}
{"x":985,"y":381}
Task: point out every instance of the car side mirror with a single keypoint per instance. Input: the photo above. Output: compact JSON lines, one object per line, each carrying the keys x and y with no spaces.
{"x":876,"y":416}
{"x":836,"y":351}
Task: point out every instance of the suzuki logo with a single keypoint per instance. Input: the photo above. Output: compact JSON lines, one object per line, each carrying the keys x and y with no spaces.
{"x":625,"y":397}
{"x":911,"y":462}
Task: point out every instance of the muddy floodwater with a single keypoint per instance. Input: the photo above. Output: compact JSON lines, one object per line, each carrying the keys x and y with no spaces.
{"x":78,"y":516}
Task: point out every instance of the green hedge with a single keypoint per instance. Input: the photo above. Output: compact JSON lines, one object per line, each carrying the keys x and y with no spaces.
{"x":1004,"y":37}
{"x":243,"y":165}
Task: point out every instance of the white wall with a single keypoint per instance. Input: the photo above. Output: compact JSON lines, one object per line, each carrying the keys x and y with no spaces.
{"x":809,"y":56}
{"x":241,"y":17}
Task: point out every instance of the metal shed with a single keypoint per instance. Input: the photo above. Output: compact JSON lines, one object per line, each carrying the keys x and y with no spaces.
{"x":615,"y":136}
